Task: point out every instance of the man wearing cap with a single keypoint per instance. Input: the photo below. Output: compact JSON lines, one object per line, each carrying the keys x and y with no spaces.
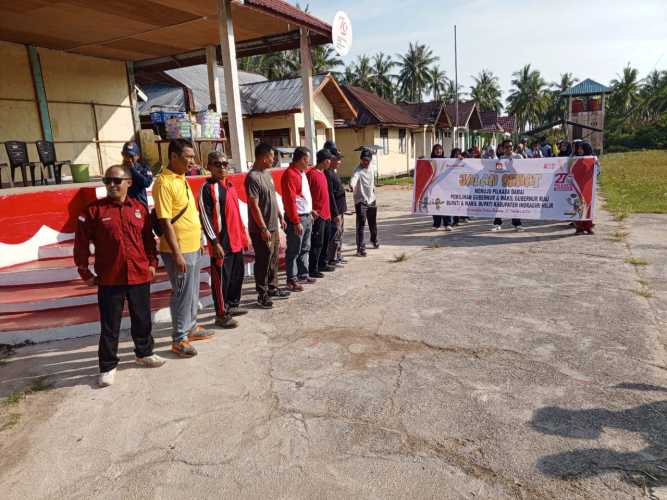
{"x":338,"y":203}
{"x":319,"y":190}
{"x":125,"y":263}
{"x":142,"y":177}
{"x":226,"y":236}
{"x":362,"y":184}
{"x":299,"y":213}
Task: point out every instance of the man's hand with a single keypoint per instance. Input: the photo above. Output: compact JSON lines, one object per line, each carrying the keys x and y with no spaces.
{"x":337,"y":220}
{"x":350,"y":189}
{"x":315,"y":214}
{"x":283,"y":224}
{"x":299,"y":229}
{"x":151,"y":271}
{"x":92,"y":281}
{"x":181,"y":265}
{"x":218,"y":251}
{"x":266,"y":235}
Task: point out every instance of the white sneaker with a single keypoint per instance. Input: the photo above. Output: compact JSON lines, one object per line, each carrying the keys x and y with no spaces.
{"x":519,"y":228}
{"x":496,"y":228}
{"x":449,"y":228}
{"x":152,"y":361}
{"x":106,"y":378}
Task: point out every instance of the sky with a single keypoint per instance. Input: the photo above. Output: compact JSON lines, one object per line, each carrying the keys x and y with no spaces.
{"x":592,"y":39}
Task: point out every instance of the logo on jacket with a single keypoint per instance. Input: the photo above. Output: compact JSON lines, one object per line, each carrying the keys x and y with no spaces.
{"x":137,"y":214}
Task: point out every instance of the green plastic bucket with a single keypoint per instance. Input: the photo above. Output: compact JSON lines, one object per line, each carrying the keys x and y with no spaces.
{"x":80,"y":172}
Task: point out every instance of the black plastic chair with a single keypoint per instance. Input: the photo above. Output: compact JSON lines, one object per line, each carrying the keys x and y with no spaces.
{"x":17,"y":152}
{"x":47,"y":156}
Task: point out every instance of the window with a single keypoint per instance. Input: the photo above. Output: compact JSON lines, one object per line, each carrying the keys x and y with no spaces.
{"x":401,"y":140}
{"x":384,"y":135}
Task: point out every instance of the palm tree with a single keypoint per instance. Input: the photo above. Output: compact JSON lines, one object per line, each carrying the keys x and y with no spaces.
{"x":528,"y":99}
{"x":437,"y":82}
{"x":654,"y":95}
{"x":413,"y":77}
{"x":625,"y":90}
{"x":381,"y":77}
{"x":349,"y":77}
{"x":449,"y":93}
{"x":324,"y":59}
{"x":363,"y":73}
{"x":486,"y":92}
{"x":556,"y":105}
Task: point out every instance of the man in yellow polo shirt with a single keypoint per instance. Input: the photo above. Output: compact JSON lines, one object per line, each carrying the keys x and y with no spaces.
{"x":180,"y":245}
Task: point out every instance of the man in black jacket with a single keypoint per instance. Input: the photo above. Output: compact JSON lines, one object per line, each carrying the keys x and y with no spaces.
{"x":338,"y":205}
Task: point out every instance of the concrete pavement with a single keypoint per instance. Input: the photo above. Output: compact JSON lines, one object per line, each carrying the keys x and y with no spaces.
{"x":480,"y":365}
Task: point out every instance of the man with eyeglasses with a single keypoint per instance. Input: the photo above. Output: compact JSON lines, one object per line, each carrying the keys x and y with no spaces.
{"x":226,"y":235}
{"x":180,"y":246}
{"x":125,"y":262}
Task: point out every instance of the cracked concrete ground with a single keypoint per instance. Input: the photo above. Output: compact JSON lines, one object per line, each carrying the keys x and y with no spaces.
{"x":485,"y":365}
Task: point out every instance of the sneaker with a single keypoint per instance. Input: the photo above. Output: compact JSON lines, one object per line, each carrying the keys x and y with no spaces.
{"x":278,"y":293}
{"x":376,"y":245}
{"x":579,"y":231}
{"x":152,"y":361}
{"x":590,"y":231}
{"x":496,"y":228}
{"x":449,"y":228}
{"x":106,"y":378}
{"x":306,"y":280}
{"x":361,"y":253}
{"x":316,"y":274}
{"x":237,"y":311}
{"x":519,"y":228}
{"x":342,"y":261}
{"x":198,"y":333}
{"x":226,"y":321}
{"x":183,"y":349}
{"x":264,"y":302}
{"x":294,"y":286}
{"x":327,"y":269}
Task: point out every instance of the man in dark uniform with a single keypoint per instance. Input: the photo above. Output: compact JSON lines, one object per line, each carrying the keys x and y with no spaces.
{"x":142,"y":177}
{"x":125,"y":262}
{"x":338,"y":201}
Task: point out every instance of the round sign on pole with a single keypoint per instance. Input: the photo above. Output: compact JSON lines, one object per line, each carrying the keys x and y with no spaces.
{"x":341,"y":33}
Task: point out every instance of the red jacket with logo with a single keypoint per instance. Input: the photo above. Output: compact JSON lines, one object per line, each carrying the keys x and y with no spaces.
{"x":123,"y":238}
{"x":319,"y":190}
{"x":221,"y":217}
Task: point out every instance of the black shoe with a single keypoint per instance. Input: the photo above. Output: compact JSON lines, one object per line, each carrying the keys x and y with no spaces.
{"x":376,"y":245}
{"x":237,"y":311}
{"x":226,"y":321}
{"x":327,"y":269}
{"x":264,"y":302}
{"x":279,"y":293}
{"x":316,"y":274}
{"x":361,"y":253}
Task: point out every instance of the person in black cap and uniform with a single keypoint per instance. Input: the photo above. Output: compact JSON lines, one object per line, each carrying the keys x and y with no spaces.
{"x":142,"y":177}
{"x":362,"y":184}
{"x":338,"y":203}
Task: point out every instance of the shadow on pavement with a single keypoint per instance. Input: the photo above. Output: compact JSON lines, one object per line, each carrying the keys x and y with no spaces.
{"x":647,"y":467}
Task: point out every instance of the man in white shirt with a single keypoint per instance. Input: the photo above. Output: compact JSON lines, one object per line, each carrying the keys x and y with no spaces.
{"x":362,"y":184}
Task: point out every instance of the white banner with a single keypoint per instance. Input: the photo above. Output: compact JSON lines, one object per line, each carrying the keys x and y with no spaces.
{"x":538,"y":189}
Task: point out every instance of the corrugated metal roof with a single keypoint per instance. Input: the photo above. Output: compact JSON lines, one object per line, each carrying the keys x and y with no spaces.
{"x":274,"y":96}
{"x":373,"y":110}
{"x":587,"y":87}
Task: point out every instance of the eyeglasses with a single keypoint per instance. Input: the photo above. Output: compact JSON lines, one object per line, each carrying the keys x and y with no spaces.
{"x":117,"y":181}
{"x":220,"y":164}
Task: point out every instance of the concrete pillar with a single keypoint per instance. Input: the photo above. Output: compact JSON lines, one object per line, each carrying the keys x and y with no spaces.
{"x":307,"y":80}
{"x":213,"y":80}
{"x":232,"y":92}
{"x":295,"y":140}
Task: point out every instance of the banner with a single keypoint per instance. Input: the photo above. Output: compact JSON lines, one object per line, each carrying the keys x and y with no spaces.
{"x":538,"y":189}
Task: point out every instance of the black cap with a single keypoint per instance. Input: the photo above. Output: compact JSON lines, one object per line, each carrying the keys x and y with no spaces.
{"x":324,"y":154}
{"x":366,"y":154}
{"x":331,"y":146}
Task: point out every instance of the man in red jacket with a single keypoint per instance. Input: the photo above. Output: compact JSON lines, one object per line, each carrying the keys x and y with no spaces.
{"x":226,"y":235}
{"x":125,"y":262}
{"x":319,"y":190}
{"x":299,"y":214}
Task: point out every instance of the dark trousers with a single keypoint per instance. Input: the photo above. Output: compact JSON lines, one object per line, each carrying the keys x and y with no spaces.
{"x":335,"y":244}
{"x":266,"y":262}
{"x":318,"y":237}
{"x":365,"y":212}
{"x":438,"y":220}
{"x":499,"y":222}
{"x":111,"y":301}
{"x":448,"y":220}
{"x":227,"y":282}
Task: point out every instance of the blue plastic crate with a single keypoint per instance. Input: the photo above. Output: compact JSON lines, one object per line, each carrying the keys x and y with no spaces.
{"x":163,"y":116}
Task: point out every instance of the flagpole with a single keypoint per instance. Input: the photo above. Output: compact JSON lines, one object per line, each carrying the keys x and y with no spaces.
{"x":456,"y":91}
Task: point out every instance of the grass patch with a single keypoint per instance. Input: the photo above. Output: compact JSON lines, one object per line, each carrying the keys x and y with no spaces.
{"x":643,"y":283}
{"x":11,"y":421}
{"x":404,"y":180}
{"x":644,"y":292}
{"x":636,"y":261}
{"x":635,"y":182}
{"x":15,"y":398}
{"x":37,"y":385}
{"x":619,"y":235}
{"x":401,"y":257}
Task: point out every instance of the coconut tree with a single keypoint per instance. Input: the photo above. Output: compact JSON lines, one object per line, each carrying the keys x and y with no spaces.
{"x":449,"y":94}
{"x":556,"y":105}
{"x":437,"y":82}
{"x":325,"y":60}
{"x":381,"y":76}
{"x":625,"y":90}
{"x":486,"y":91}
{"x":413,"y":77}
{"x":654,"y":95}
{"x":528,"y":100}
{"x":363,"y":73}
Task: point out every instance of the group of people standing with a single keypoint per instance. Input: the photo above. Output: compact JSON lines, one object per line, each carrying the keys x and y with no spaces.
{"x":507,"y":151}
{"x":122,"y":230}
